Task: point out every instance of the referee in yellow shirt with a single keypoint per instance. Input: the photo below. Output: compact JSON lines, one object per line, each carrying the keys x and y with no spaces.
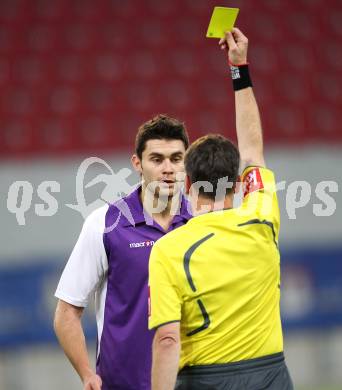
{"x":215,"y":282}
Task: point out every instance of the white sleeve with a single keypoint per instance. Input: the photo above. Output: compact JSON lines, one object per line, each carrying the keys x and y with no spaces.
{"x":88,"y":264}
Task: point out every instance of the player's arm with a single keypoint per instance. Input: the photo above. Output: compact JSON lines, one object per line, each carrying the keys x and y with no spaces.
{"x":166,"y":351}
{"x":69,"y":331}
{"x":248,"y":123}
{"x":82,"y":276}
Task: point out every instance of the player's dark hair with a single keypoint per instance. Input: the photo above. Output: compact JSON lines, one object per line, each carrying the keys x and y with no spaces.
{"x":160,"y":127}
{"x":209,"y":159}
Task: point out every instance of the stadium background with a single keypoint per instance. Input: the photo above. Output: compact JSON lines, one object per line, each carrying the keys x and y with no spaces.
{"x":78,"y":77}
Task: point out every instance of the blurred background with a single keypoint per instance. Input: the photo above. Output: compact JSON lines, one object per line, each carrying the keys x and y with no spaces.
{"x":78,"y":77}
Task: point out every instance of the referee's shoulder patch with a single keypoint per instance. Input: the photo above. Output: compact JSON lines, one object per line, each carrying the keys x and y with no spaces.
{"x":252,"y":182}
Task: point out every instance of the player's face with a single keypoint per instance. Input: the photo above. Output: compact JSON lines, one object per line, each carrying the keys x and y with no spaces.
{"x":161,"y":166}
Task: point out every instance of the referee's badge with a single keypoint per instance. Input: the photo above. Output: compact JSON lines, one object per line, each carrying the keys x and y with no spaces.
{"x":252,"y":182}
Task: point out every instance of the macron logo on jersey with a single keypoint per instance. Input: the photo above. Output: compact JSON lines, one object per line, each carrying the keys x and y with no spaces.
{"x":252,"y":182}
{"x":141,"y":244}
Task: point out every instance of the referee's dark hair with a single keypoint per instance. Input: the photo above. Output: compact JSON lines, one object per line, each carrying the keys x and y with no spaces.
{"x":160,"y":127}
{"x":209,"y":159}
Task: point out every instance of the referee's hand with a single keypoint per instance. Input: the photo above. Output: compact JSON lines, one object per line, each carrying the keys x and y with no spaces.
{"x":92,"y":382}
{"x":236,"y":43}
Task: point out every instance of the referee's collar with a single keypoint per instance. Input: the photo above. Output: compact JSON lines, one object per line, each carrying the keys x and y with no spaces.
{"x":211,"y":213}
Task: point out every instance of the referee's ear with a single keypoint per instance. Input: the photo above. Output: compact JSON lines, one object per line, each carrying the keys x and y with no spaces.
{"x":237,"y":185}
{"x":187,"y":184}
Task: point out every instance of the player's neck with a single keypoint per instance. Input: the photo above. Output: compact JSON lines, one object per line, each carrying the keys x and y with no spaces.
{"x":202,"y":205}
{"x":161,"y":208}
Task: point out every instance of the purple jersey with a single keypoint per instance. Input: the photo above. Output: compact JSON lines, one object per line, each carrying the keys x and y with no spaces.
{"x":110,"y":259}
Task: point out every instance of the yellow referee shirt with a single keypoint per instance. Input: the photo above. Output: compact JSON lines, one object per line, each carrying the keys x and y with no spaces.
{"x":219,"y":275}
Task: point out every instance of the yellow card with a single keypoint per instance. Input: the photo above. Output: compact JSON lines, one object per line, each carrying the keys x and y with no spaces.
{"x":222,"y":20}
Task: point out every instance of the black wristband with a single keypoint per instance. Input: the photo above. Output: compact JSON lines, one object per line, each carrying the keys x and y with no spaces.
{"x":240,"y":76}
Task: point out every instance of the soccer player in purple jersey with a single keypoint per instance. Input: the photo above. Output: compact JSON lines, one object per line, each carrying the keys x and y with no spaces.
{"x":110,"y":261}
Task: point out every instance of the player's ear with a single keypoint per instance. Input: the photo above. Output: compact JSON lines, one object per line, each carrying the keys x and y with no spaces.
{"x":136,"y":163}
{"x":187,"y":184}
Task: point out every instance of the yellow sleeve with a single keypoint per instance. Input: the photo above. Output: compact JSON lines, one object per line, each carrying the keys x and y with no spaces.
{"x":260,"y":195}
{"x":164,"y":297}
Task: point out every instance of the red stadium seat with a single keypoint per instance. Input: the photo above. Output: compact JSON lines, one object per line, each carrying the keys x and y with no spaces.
{"x":9,"y":10}
{"x":55,"y":134}
{"x":325,"y":120}
{"x":80,"y":74}
{"x":297,"y":57}
{"x":29,"y":71}
{"x":4,"y":71}
{"x":18,"y":137}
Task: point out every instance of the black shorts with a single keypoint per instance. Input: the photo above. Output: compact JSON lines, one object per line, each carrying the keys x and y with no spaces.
{"x":265,"y":373}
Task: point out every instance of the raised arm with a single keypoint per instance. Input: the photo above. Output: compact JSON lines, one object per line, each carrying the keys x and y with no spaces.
{"x":248,"y":124}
